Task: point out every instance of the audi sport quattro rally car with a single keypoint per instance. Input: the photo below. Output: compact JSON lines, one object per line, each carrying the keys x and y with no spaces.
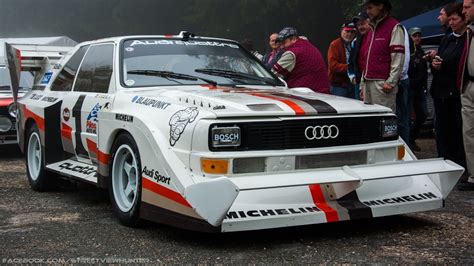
{"x":194,"y":132}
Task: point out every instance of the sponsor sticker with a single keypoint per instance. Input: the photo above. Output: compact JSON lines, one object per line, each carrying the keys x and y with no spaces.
{"x":66,"y":114}
{"x":150,"y":102}
{"x":402,"y":199}
{"x":125,"y":118}
{"x":249,"y":214}
{"x":179,"y":42}
{"x":179,"y":121}
{"x":91,"y":123}
{"x":155,"y":175}
{"x":46,"y":78}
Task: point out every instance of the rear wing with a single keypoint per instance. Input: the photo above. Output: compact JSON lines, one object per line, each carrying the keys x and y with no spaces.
{"x":28,"y":57}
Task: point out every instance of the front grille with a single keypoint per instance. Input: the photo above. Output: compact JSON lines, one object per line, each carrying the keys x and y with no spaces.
{"x":282,"y":135}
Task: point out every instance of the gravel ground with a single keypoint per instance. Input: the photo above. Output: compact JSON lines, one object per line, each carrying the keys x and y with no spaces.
{"x":75,"y":224}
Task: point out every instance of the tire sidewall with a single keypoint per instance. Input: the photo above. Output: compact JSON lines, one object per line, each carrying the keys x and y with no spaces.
{"x":132,"y":217}
{"x":38,"y":184}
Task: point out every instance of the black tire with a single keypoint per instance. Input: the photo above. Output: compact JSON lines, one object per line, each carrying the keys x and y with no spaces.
{"x":128,"y":217}
{"x":37,"y":174}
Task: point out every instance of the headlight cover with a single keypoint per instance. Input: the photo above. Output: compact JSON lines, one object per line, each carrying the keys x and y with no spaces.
{"x":226,"y":137}
{"x":5,"y":124}
{"x":389,"y":127}
{"x":12,"y":110}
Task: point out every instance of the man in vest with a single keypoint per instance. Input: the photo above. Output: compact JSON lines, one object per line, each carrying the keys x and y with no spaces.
{"x":301,"y":65}
{"x":385,"y":55}
{"x":466,"y":84}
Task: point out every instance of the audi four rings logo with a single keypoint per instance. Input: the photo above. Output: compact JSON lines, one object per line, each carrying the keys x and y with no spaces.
{"x":321,"y":132}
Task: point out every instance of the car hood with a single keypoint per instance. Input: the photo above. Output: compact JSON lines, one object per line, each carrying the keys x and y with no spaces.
{"x":231,"y":102}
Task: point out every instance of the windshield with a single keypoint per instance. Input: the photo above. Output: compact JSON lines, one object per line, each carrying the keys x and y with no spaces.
{"x":162,"y":62}
{"x":26,"y":80}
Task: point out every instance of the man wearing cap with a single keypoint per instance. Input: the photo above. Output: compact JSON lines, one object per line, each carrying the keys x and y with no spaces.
{"x":301,"y":64}
{"x":338,"y":60}
{"x":466,"y":84}
{"x":385,"y":55}
{"x":356,"y":62}
{"x":418,"y":73}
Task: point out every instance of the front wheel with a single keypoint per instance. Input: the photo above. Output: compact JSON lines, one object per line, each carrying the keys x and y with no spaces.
{"x":125,"y":180}
{"x":37,"y":175}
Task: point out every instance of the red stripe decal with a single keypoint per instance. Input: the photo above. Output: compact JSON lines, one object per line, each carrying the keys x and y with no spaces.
{"x":38,"y":119}
{"x":66,"y":131}
{"x":298,"y":110}
{"x":320,"y":202}
{"x":91,"y":146}
{"x":103,"y":158}
{"x":165,"y":192}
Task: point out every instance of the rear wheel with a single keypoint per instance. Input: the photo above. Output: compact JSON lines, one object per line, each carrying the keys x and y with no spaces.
{"x":37,"y":175}
{"x":125,"y":180}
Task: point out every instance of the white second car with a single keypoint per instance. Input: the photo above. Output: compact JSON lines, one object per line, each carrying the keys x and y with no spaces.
{"x":196,"y":133}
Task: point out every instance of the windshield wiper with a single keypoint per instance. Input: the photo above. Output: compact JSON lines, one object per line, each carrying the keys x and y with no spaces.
{"x":170,"y":75}
{"x":233,"y":74}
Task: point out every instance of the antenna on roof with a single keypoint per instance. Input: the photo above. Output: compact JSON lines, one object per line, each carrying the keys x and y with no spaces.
{"x":186,"y":35}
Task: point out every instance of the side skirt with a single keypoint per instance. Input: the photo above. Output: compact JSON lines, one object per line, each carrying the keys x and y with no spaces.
{"x":76,"y":170}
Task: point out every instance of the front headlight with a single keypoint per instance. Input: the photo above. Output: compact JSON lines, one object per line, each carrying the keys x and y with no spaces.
{"x":389,"y":128}
{"x":225,"y":137}
{"x":5,"y":124}
{"x":12,"y":110}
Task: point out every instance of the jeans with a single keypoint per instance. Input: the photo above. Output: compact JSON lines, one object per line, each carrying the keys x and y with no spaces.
{"x":342,"y":91}
{"x":357,"y":91}
{"x":403,"y":109}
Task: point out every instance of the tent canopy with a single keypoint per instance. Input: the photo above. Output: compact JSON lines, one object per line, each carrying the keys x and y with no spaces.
{"x":428,"y":22}
{"x":51,"y":41}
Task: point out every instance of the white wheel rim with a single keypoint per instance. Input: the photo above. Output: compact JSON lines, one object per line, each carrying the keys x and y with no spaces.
{"x":34,"y":156}
{"x":125,"y":174}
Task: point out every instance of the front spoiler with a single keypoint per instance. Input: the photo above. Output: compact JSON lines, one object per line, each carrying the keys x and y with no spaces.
{"x":214,"y":198}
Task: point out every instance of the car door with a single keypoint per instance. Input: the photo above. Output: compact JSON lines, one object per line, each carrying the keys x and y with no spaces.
{"x":92,"y":93}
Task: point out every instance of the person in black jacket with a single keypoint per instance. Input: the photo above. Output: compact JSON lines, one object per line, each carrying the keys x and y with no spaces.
{"x":446,"y":95}
{"x":418,"y":74}
{"x":361,"y":21}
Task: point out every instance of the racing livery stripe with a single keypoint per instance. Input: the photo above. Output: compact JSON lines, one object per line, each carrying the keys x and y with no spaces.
{"x":320,"y":202}
{"x":298,"y":110}
{"x":320,"y":106}
{"x":102,"y":157}
{"x":355,"y":208}
{"x":66,"y":131}
{"x":92,"y":148}
{"x":38,"y":119}
{"x":165,"y":192}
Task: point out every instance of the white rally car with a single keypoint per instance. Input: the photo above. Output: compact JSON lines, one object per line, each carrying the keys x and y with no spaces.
{"x":194,"y":132}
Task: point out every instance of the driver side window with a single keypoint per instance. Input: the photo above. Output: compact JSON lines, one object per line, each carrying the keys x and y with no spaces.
{"x":96,"y":69}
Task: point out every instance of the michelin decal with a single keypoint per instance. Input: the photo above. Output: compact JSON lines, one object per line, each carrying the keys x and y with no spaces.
{"x":179,"y":121}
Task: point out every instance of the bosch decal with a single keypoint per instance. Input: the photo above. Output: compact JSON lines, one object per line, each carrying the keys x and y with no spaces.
{"x":403,"y":199}
{"x":151,"y":173}
{"x":268,"y":213}
{"x":179,"y":121}
{"x":150,"y":102}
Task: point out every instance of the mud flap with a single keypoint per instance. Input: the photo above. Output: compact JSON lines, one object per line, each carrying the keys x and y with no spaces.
{"x":212,"y":199}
